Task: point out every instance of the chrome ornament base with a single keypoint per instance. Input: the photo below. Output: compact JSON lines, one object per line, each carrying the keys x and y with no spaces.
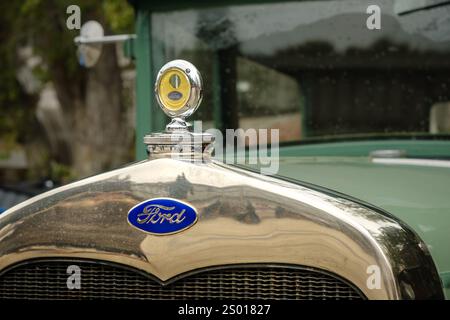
{"x":183,"y":146}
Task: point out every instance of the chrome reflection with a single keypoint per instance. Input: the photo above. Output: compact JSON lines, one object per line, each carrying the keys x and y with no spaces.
{"x":243,"y":218}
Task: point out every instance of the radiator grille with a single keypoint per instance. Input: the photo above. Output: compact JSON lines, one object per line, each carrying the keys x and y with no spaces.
{"x":48,"y":280}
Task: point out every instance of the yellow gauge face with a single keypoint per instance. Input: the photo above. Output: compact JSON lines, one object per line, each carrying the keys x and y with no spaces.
{"x":174,"y":89}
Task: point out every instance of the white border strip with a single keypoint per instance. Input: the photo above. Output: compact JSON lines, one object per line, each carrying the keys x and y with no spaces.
{"x":414,"y":162}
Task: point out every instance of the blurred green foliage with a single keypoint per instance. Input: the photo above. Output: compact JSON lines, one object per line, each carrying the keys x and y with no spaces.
{"x":13,"y":115}
{"x":41,"y":24}
{"x":119,"y":15}
{"x":61,"y":173}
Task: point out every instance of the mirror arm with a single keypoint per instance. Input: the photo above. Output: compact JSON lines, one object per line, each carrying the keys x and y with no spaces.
{"x":105,"y":39}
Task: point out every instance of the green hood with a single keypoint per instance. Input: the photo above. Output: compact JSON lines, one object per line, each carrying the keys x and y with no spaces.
{"x":418,"y":194}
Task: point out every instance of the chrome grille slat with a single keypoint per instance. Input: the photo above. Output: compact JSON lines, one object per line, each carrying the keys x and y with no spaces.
{"x":47,"y":280}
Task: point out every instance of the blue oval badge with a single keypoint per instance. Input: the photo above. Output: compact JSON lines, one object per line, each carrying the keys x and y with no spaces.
{"x":175,"y":95}
{"x":162,"y":216}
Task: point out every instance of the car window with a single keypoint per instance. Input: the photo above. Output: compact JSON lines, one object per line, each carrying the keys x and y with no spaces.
{"x":314,"y":68}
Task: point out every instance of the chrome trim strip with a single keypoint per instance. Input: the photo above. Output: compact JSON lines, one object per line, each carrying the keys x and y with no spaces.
{"x":414,"y":162}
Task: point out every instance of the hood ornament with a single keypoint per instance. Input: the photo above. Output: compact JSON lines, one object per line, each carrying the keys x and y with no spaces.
{"x":178,"y":90}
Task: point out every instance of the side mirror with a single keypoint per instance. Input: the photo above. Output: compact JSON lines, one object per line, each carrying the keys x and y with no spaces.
{"x":88,"y":53}
{"x":91,"y":40}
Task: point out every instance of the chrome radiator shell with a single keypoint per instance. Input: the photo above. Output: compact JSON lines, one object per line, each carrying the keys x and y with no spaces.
{"x":243,"y":218}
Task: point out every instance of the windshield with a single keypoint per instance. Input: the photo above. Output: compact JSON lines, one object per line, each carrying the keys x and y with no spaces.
{"x":316,"y":68}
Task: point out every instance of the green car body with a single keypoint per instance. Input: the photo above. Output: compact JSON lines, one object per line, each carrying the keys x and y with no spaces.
{"x":417,"y":193}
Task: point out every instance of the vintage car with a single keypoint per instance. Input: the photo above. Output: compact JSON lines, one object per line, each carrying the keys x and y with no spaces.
{"x":359,"y":207}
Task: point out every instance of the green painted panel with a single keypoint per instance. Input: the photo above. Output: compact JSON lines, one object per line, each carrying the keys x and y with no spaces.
{"x":189,"y":4}
{"x":149,"y":117}
{"x":414,"y":148}
{"x":143,"y":80}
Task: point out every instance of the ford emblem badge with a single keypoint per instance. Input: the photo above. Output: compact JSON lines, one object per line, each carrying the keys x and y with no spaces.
{"x":162,"y":216}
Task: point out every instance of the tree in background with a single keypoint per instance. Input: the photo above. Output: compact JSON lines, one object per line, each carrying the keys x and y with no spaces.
{"x":90,"y":130}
